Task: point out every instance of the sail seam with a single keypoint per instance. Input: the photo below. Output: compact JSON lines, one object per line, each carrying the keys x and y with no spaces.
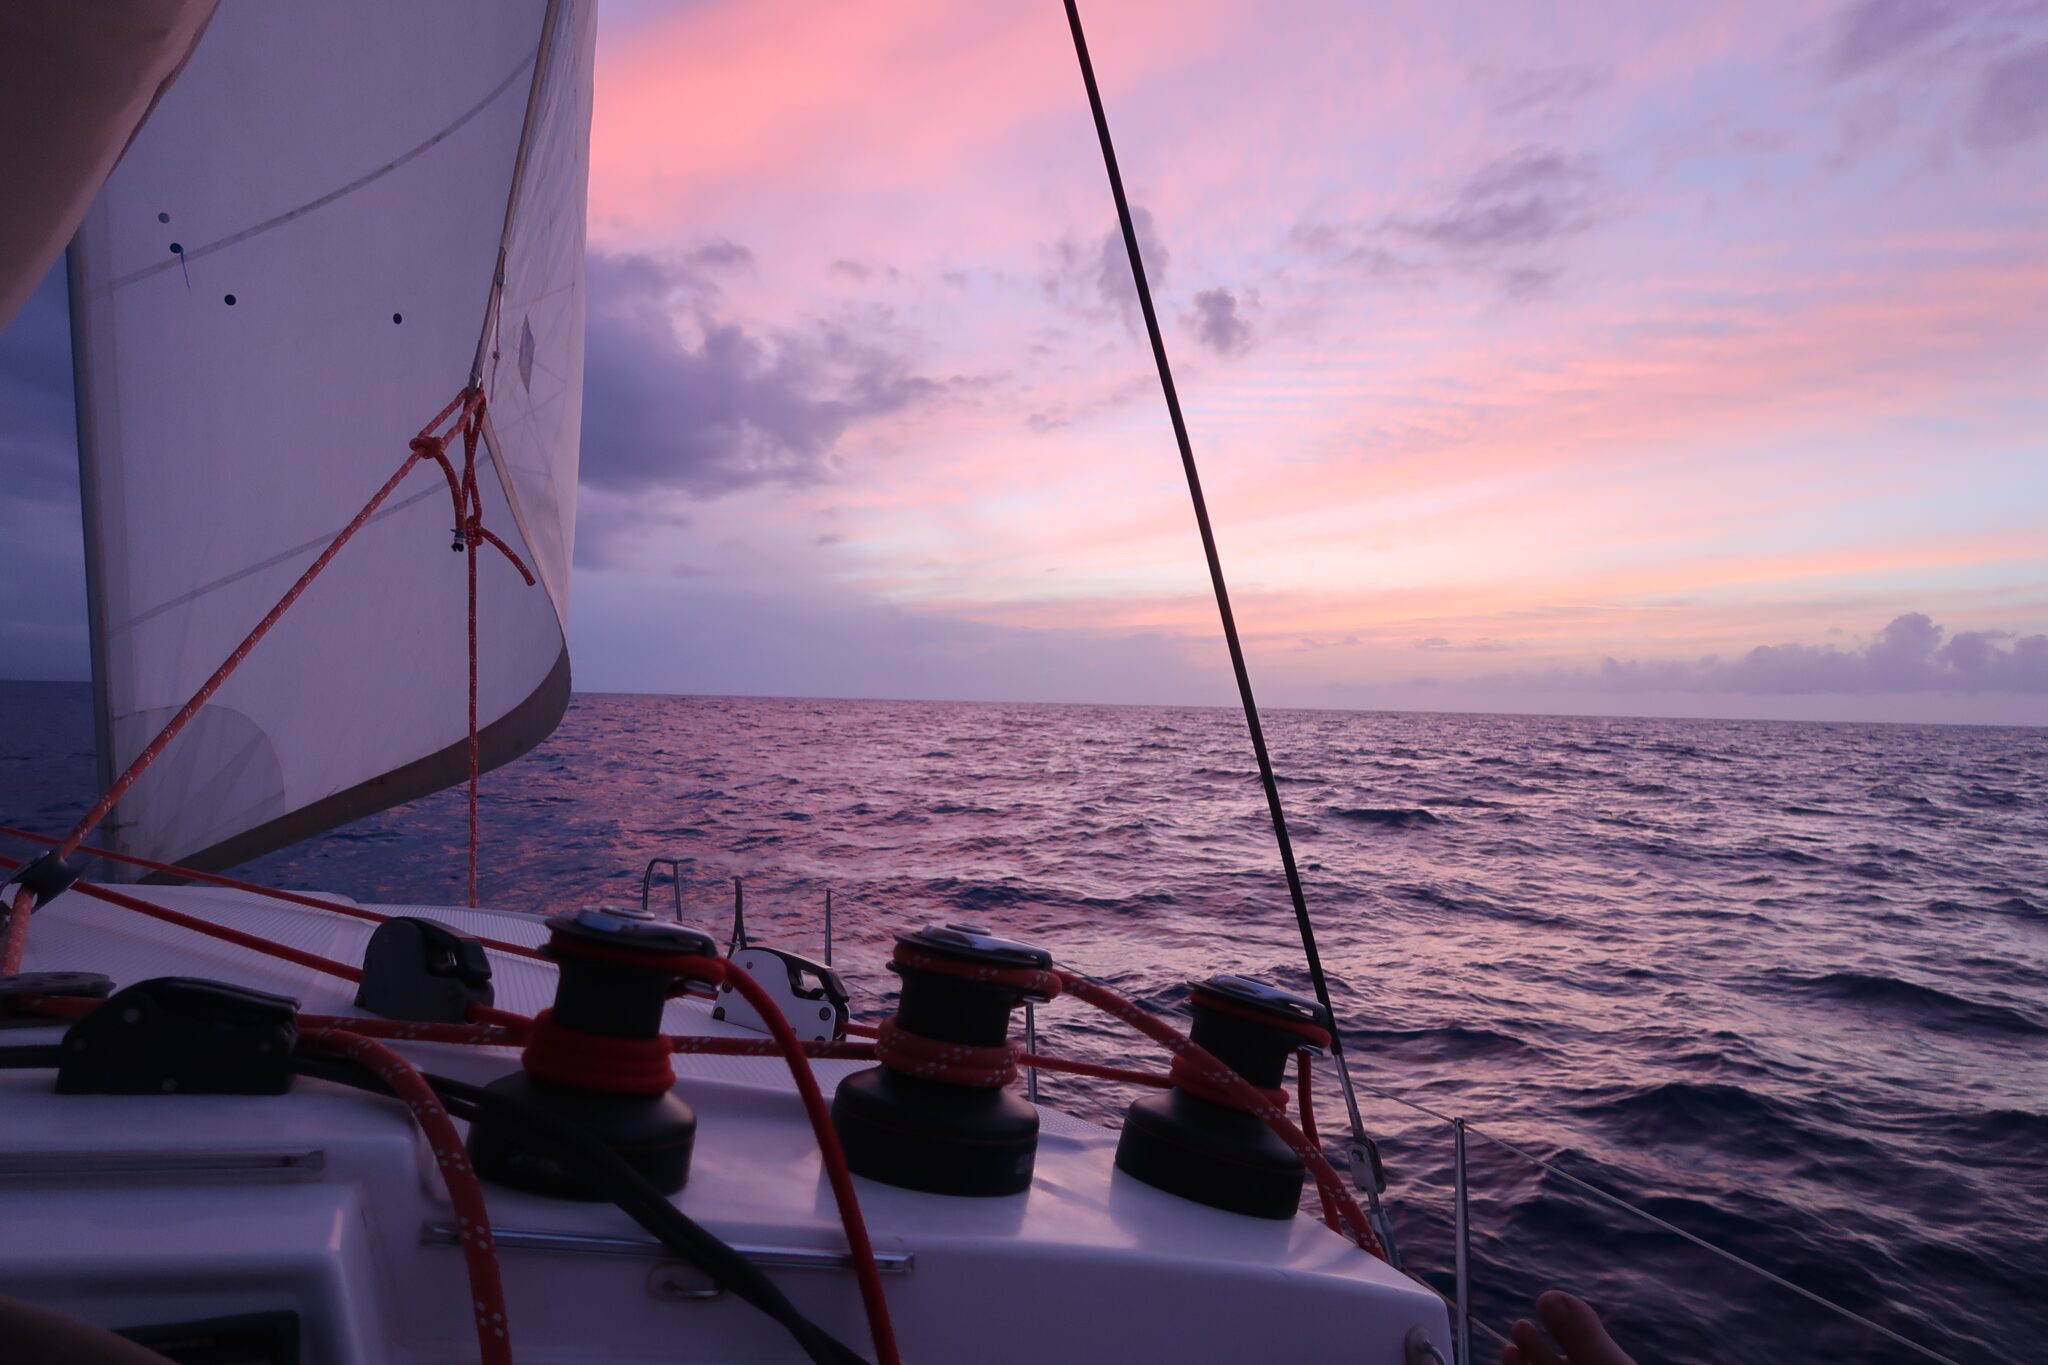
{"x":331,"y":196}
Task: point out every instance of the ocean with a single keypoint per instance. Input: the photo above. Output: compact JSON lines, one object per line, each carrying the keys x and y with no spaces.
{"x":1783,"y":985}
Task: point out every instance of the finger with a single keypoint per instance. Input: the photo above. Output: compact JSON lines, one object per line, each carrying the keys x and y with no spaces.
{"x":1529,"y":1341}
{"x":1578,"y":1329}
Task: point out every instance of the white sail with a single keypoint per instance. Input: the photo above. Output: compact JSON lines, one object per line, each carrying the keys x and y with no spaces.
{"x":284,"y":280}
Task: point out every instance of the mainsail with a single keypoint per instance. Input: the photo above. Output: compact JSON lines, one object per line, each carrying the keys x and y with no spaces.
{"x":287,"y":276}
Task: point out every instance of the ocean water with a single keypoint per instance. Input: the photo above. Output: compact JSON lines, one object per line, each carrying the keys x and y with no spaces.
{"x":1784,"y":985}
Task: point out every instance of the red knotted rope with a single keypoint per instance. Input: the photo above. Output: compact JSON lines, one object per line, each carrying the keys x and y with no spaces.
{"x":470,"y":533}
{"x":1196,"y":1079}
{"x":465,"y":1191}
{"x":938,"y":1059}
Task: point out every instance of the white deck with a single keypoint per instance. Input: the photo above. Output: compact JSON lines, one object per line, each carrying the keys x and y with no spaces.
{"x":128,"y":1211}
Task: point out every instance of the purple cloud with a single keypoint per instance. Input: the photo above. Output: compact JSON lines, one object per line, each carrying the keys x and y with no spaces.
{"x":1094,"y":278}
{"x":1871,"y":33}
{"x":1540,"y":91}
{"x":1525,"y":198}
{"x":1912,"y":654}
{"x":1218,"y":324}
{"x":2012,"y":104}
{"x":728,"y":408}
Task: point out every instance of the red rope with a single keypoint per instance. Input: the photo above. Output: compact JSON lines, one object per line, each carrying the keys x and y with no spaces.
{"x":1249,"y":1097}
{"x":1315,"y":1035}
{"x":207,"y":927}
{"x":1308,"y":1130}
{"x":1031,"y":981}
{"x":935,"y":1059}
{"x":465,"y":1191}
{"x":593,"y":1061}
{"x":469,"y":554}
{"x":833,"y":1157}
{"x":1197,"y":1080}
{"x":470,"y":529}
{"x":15,"y":944}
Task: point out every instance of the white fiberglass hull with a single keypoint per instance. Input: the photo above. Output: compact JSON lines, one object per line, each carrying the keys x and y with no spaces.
{"x":134,"y":1210}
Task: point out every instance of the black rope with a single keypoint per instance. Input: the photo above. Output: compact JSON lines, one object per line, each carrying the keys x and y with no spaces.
{"x":611,"y":1177}
{"x":1244,"y":679}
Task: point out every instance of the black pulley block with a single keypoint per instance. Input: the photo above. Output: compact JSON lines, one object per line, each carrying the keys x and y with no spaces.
{"x":178,"y":1035}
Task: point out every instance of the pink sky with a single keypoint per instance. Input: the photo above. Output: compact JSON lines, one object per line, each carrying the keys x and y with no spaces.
{"x":1656,"y":358}
{"x":1651,"y":333}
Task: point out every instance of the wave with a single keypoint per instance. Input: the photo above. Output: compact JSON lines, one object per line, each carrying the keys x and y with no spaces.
{"x":1390,"y":817}
{"x":1929,"y":1005}
{"x":981,"y":895}
{"x":1701,"y":1113}
{"x":1454,"y":1042}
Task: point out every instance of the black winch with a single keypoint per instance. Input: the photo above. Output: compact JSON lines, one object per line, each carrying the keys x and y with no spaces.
{"x":599,"y":1058}
{"x":936,"y":1115}
{"x":1192,"y":1141}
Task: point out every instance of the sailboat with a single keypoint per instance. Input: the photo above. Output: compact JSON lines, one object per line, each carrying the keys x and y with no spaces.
{"x":327,"y":316}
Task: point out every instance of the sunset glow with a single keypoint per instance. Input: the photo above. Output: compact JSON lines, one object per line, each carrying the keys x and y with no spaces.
{"x":1509,"y":343}
{"x":1519,"y":349}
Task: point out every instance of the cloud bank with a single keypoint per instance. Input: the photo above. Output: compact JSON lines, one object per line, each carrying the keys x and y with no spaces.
{"x":708,"y":407}
{"x":1911,"y":655}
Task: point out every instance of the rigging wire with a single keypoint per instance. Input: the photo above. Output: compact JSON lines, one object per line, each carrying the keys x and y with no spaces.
{"x":1222,"y":590}
{"x":1618,"y":1202}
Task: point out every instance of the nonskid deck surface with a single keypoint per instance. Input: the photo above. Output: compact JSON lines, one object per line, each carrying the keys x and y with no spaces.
{"x":128,"y":1211}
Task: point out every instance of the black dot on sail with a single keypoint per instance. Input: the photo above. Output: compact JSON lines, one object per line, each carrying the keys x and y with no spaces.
{"x":229,"y":300}
{"x":163,"y":217}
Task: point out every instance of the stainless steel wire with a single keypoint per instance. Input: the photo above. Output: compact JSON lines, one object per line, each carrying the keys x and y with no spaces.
{"x":1465,"y":1125}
